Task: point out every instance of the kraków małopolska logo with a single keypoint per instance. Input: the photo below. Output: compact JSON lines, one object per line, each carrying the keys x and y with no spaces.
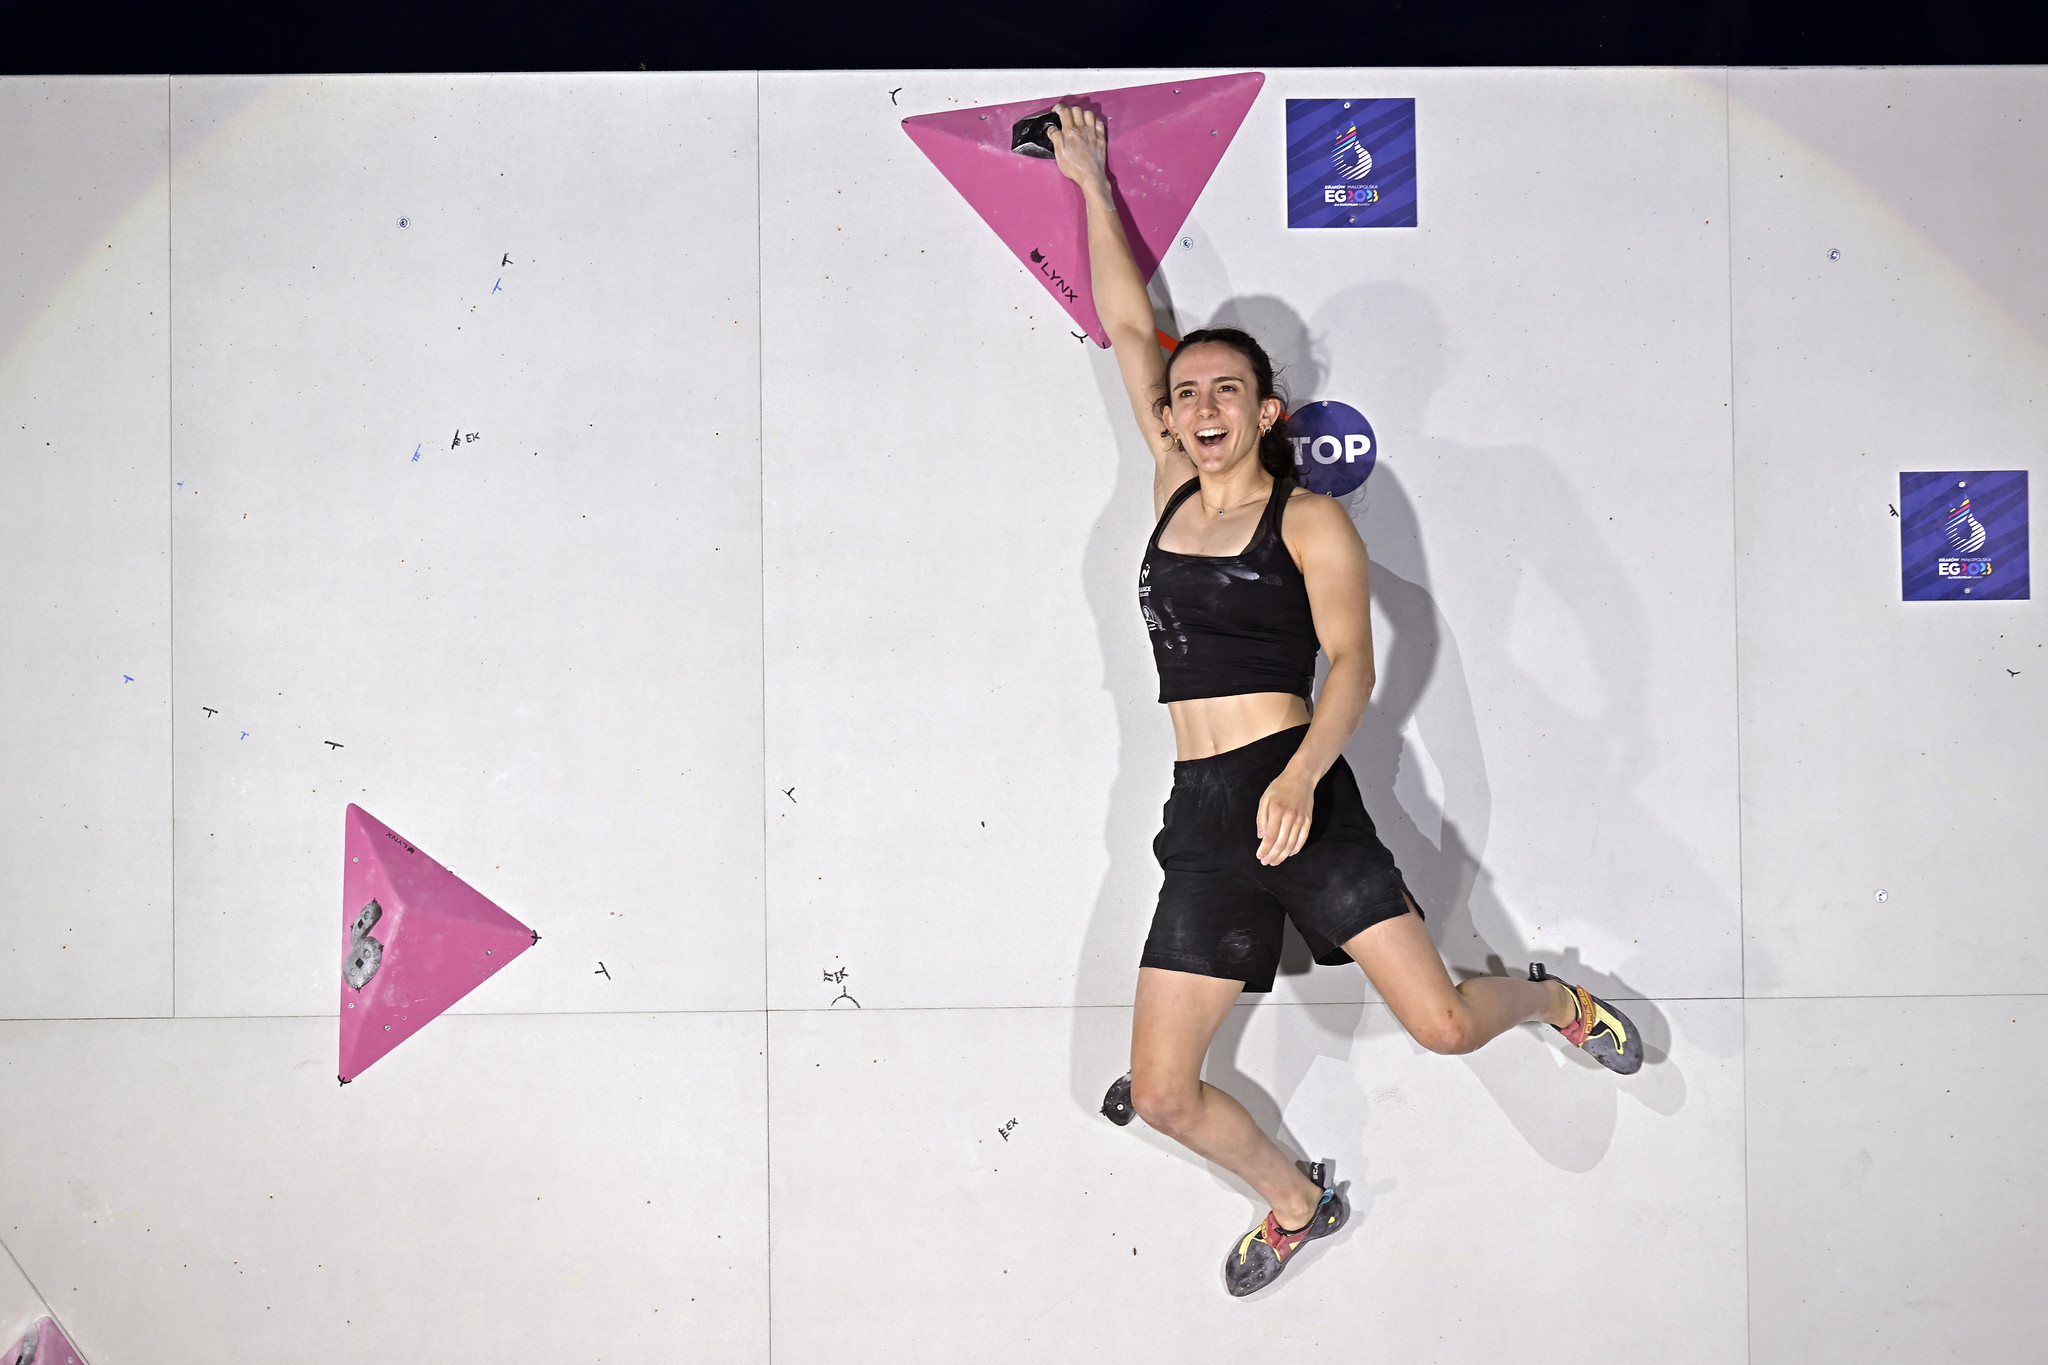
{"x":1963,"y":536}
{"x":1350,"y":156}
{"x":1964,"y":531}
{"x":1351,"y":163}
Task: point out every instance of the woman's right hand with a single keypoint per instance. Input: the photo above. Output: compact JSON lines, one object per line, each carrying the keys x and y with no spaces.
{"x":1080,"y":146}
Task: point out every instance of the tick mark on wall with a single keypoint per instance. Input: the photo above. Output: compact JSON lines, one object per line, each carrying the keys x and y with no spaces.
{"x":600,"y":968}
{"x":499,"y":287}
{"x":507,"y":260}
{"x":839,"y":977}
{"x":126,"y":678}
{"x":210,"y":712}
{"x":416,"y":454}
{"x":245,"y":734}
{"x":2014,"y":671}
{"x":1894,"y":511}
{"x":789,"y":792}
{"x":332,"y":744}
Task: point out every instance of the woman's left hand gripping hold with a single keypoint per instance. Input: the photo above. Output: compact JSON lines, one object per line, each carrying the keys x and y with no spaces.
{"x":1285,"y":813}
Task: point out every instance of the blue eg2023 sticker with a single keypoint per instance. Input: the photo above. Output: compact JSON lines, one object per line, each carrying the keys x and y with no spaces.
{"x":1334,"y":449}
{"x":1963,"y":536}
{"x":1350,"y":163}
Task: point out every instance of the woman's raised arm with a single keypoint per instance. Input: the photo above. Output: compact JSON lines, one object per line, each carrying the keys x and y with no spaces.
{"x":1080,"y":146}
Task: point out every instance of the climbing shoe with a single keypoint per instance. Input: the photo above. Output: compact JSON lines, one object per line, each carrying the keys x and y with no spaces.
{"x":1601,"y":1030}
{"x":1261,"y":1254}
{"x":1116,"y":1105}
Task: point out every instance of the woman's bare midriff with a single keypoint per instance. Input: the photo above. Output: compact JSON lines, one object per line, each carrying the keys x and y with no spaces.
{"x":1207,"y":726}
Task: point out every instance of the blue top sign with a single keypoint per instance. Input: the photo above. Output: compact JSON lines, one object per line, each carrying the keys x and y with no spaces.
{"x":1350,"y":163}
{"x":1963,"y":536}
{"x":1334,"y":451}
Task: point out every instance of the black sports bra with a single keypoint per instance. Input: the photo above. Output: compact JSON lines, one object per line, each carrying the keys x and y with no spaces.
{"x":1223,"y":625}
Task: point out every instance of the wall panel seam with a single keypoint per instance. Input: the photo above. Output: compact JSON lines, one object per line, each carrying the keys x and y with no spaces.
{"x":171,"y":521}
{"x":1735,"y":622}
{"x":761,"y":542}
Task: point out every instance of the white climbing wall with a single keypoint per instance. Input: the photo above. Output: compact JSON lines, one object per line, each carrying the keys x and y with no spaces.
{"x":664,"y":500}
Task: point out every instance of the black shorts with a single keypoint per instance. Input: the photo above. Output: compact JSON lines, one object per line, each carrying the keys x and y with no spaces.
{"x":1220,"y":908}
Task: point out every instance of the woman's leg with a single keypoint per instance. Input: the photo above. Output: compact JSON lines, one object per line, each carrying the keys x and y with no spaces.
{"x":1178,"y":1014}
{"x":1409,"y":975}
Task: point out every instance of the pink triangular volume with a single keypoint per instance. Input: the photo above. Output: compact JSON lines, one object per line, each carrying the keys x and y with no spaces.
{"x":415,"y":938}
{"x":45,"y":1344}
{"x":1164,"y":143}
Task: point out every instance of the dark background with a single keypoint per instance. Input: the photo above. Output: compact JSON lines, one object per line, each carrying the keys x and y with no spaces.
{"x":87,"y":36}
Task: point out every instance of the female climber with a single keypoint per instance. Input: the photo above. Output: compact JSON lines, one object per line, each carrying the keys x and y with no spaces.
{"x":1246,"y":575}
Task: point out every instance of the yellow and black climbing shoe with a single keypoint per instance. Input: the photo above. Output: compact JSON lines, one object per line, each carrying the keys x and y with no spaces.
{"x":1601,"y":1030}
{"x":1261,"y":1254}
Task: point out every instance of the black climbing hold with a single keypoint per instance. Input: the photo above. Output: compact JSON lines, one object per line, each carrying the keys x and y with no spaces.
{"x":1116,"y":1105}
{"x":1028,"y":137}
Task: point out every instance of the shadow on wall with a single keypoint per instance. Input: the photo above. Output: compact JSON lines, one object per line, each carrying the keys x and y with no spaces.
{"x":1381,"y":347}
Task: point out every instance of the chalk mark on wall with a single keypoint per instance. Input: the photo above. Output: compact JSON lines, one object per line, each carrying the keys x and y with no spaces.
{"x":600,"y":968}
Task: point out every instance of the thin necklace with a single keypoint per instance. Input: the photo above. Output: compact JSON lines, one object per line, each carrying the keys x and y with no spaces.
{"x":1242,"y":502}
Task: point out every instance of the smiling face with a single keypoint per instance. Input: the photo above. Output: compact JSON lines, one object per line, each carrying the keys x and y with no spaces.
{"x":1213,"y":405}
